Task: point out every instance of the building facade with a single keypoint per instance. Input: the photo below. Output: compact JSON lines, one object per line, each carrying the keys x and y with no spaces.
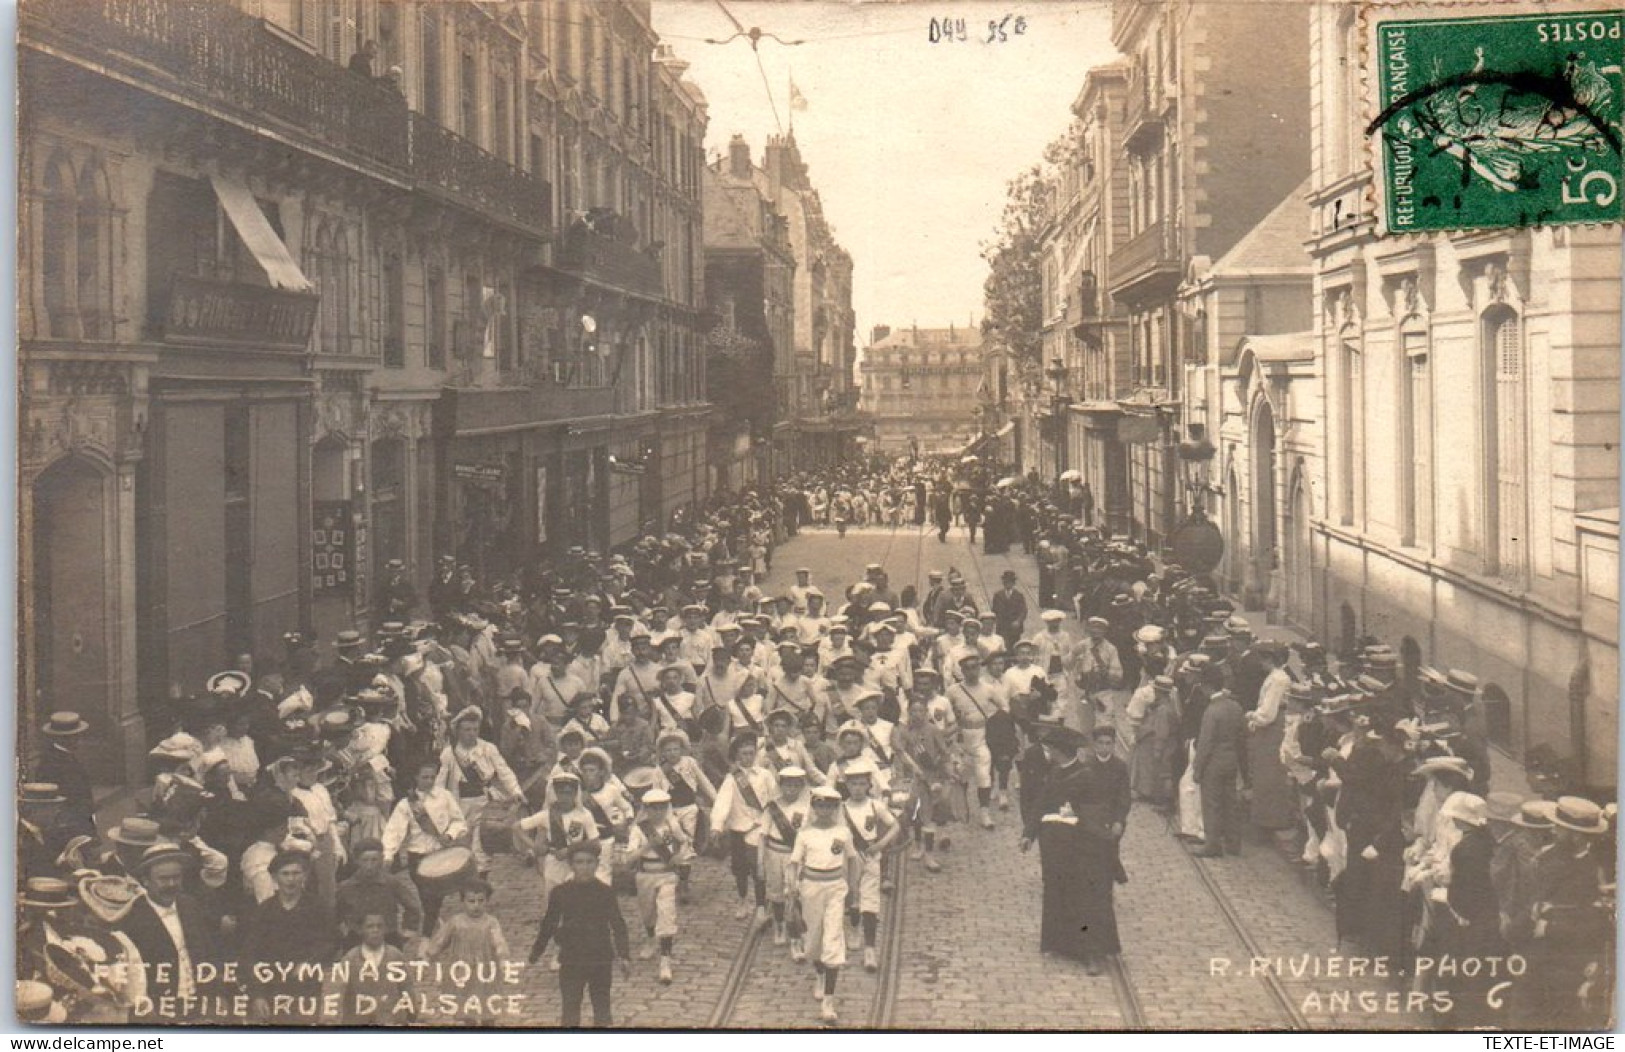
{"x":1075,"y":403}
{"x":750,"y":280}
{"x":1194,"y":187}
{"x":285,"y":317}
{"x":921,"y":387}
{"x":1253,"y":390}
{"x":1470,"y":505}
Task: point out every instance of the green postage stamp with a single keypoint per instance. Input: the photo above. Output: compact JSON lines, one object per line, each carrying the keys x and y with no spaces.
{"x":1498,"y":120}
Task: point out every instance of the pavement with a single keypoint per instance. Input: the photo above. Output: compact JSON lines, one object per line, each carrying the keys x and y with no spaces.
{"x":1197,"y":934}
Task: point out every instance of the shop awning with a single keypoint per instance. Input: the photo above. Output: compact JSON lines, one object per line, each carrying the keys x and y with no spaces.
{"x":255,"y":230}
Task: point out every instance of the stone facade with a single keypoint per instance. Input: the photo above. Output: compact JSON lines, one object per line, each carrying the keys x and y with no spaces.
{"x":921,"y":387}
{"x":1470,"y":499}
{"x":284,"y":319}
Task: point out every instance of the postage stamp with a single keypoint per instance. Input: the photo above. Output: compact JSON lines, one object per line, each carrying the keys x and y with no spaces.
{"x":1499,"y":120}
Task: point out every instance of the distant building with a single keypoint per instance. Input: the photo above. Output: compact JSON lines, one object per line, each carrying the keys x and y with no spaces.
{"x":750,"y":272}
{"x":921,"y":387}
{"x":1195,"y":186}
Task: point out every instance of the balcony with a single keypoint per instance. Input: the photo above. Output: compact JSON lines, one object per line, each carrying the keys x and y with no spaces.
{"x":216,"y":57}
{"x":607,"y":259}
{"x":209,"y":51}
{"x":445,"y":164}
{"x":211,"y":313}
{"x":1145,"y":105}
{"x":487,"y":410}
{"x":1147,"y":263}
{"x":1083,"y":307}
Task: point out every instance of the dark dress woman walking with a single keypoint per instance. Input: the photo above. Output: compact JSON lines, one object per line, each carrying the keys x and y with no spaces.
{"x":1076,"y":821}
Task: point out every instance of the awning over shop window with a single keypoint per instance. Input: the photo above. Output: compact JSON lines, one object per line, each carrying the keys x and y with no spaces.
{"x":255,"y":230}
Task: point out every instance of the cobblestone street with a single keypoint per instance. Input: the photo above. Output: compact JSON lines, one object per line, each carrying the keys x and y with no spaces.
{"x":968,"y":954}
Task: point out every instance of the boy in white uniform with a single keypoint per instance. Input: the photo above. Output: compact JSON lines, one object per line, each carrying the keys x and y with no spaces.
{"x":741,"y":801}
{"x":564,"y":823}
{"x":823,"y":872}
{"x":873,"y":829}
{"x":658,"y":847}
{"x":782,"y":819}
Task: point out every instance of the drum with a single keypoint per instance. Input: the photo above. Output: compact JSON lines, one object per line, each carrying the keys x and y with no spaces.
{"x":640,"y":780}
{"x":445,"y":869}
{"x":497,"y":822}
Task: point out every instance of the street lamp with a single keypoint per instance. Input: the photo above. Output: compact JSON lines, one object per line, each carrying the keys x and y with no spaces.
{"x":1196,"y":457}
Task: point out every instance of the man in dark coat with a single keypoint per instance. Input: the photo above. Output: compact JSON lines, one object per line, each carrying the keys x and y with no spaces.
{"x":59,"y":764}
{"x":1009,"y":610}
{"x":152,"y":922}
{"x":1216,"y":769}
{"x":1371,"y":804}
{"x":942,"y":512}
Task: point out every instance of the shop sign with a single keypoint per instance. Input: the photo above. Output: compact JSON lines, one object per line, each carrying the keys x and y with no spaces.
{"x":212,"y":312}
{"x":486,"y":474}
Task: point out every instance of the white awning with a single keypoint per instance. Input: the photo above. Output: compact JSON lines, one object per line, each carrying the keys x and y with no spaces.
{"x":256,"y":232}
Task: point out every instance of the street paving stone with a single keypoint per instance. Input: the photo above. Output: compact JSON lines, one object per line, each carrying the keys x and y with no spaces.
{"x":969,"y":956}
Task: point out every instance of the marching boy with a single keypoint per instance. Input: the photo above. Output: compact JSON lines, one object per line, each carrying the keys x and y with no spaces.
{"x":585,"y":919}
{"x":873,"y":829}
{"x":658,"y":847}
{"x":562,"y":825}
{"x":782,"y":819}
{"x":823,"y":872}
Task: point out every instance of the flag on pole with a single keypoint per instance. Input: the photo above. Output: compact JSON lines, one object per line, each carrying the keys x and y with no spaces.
{"x":798,"y":101}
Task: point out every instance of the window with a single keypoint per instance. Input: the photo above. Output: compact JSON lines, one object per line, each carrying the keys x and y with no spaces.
{"x":564,"y":36}
{"x":468,"y":125}
{"x":332,"y":273}
{"x":1351,"y":429}
{"x":394,"y":313}
{"x":77,"y":265}
{"x":1416,"y":440}
{"x":429,"y":28}
{"x":502,"y":119}
{"x":434,"y":318}
{"x":1505,"y":540}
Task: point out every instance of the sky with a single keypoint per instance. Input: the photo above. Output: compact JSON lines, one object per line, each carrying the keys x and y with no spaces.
{"x":909,"y":142}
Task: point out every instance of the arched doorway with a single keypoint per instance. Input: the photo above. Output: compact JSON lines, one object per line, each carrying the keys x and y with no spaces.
{"x":1262,"y":459}
{"x":72,"y":530}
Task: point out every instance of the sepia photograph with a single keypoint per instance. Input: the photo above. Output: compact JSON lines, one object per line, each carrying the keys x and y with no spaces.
{"x":861,"y":515}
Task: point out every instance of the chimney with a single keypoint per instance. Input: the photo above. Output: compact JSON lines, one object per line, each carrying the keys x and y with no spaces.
{"x":773,"y":164}
{"x":880,"y":333}
{"x":739,"y":157}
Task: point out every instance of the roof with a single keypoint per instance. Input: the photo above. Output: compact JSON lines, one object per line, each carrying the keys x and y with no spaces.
{"x":967,"y":337}
{"x":1276,"y":243}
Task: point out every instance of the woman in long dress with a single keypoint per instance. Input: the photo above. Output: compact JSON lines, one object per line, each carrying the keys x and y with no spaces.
{"x":1076,"y":820}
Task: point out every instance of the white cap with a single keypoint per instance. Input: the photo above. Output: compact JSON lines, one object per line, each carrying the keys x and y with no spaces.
{"x":786,"y":772}
{"x":1052,"y":615}
{"x":824,"y":792}
{"x":656,"y":796}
